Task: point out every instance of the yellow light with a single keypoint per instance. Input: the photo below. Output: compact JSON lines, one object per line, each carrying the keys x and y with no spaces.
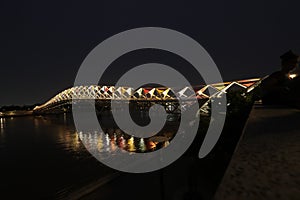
{"x":1,"y":124}
{"x":292,"y":76}
{"x":130,"y":144}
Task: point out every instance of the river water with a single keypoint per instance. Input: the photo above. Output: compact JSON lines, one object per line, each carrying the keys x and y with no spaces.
{"x":42,"y":157}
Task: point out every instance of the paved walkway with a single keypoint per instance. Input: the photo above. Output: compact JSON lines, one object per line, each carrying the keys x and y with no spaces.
{"x":266,"y":164}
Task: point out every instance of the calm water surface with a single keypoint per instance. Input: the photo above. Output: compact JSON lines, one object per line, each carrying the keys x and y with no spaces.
{"x":43,"y":157}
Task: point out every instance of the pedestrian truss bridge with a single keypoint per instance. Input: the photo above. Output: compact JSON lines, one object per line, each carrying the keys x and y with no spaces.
{"x":106,"y":94}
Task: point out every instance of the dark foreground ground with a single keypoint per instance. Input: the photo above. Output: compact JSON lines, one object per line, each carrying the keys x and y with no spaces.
{"x":266,"y":164}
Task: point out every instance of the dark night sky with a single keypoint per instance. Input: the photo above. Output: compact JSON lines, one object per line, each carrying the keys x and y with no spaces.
{"x":43,"y":44}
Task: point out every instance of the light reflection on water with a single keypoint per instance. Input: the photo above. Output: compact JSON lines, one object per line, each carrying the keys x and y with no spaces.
{"x":111,"y":140}
{"x":70,"y":141}
{"x":52,"y":143}
{"x":114,"y":140}
{"x":2,"y":128}
{"x":2,"y":122}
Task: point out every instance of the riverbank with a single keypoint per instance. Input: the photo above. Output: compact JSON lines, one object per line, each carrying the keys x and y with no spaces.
{"x":266,"y":164}
{"x":16,"y":113}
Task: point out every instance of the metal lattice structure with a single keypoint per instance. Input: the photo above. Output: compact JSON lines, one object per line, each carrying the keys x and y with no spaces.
{"x":95,"y":92}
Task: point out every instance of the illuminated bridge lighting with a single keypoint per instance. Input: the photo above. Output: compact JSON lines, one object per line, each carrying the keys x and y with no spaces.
{"x":96,"y":92}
